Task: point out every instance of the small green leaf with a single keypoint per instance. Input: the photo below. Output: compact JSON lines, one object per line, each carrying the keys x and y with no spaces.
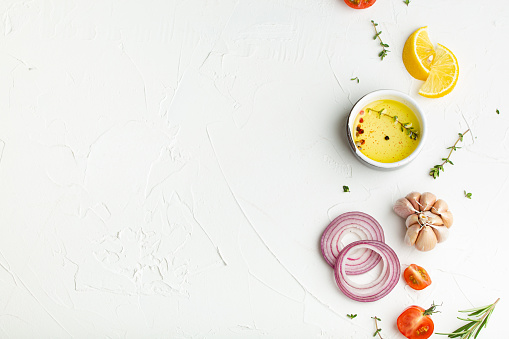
{"x":346,"y":189}
{"x":469,"y":196}
{"x":498,"y":112}
{"x":351,"y":316}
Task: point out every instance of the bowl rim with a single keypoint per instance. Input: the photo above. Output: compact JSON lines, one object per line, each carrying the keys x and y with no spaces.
{"x":378,"y":95}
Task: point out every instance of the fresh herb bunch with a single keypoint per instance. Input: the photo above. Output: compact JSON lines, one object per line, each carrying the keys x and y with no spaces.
{"x":405,"y":127}
{"x":435,"y":171}
{"x":474,"y":326}
{"x":384,"y":51}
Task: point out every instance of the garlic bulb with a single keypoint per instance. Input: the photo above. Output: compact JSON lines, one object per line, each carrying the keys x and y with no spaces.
{"x":427,"y":219}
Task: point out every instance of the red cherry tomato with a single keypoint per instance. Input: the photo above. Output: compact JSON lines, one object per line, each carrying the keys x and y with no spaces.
{"x":359,"y":4}
{"x":416,"y":277}
{"x":415,"y":322}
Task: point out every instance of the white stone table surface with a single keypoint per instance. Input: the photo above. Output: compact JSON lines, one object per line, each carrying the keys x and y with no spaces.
{"x":167,"y":167}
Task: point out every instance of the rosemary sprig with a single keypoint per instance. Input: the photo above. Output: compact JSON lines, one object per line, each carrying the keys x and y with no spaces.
{"x":474,"y":326}
{"x":384,"y":51}
{"x":356,"y":78}
{"x":406,"y":2}
{"x":378,"y":330}
{"x":435,"y":171}
{"x":410,"y":130}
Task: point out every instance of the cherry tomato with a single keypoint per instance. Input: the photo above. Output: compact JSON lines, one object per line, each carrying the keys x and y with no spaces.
{"x":415,"y":322}
{"x":416,"y":277}
{"x":359,"y":4}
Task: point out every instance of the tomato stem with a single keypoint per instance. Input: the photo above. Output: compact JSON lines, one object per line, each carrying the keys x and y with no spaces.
{"x":431,"y":310}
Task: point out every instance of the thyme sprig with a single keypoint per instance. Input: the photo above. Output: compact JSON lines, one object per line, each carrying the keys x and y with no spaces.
{"x":378,"y":330}
{"x":384,"y":51}
{"x":405,"y":127}
{"x":473,"y":326}
{"x":435,"y":171}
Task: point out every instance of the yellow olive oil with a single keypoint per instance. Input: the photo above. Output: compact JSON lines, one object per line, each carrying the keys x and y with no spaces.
{"x":386,"y":131}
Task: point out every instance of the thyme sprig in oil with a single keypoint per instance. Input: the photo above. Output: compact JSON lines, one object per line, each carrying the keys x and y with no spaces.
{"x":405,"y":126}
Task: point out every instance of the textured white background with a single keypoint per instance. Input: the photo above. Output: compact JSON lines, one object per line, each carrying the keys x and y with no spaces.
{"x":167,"y":167}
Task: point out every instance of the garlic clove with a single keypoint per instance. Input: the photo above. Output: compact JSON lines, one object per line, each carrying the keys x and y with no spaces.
{"x":427,"y":201}
{"x":412,"y":219}
{"x":440,"y":207}
{"x":403,"y":208}
{"x":411,"y":234}
{"x":426,"y":240}
{"x":431,"y":218}
{"x":441,"y":232}
{"x":414,"y":199}
{"x":447,"y":218}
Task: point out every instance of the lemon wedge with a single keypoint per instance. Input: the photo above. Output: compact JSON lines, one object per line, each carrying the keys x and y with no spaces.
{"x":443,"y":74}
{"x":418,"y":54}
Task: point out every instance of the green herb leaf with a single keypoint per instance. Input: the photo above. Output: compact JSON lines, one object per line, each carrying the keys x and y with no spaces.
{"x":346,"y":189}
{"x":384,"y":51}
{"x":356,"y":78}
{"x":473,"y":326}
{"x":498,"y":112}
{"x":376,"y":332}
{"x":351,"y":316}
{"x":434,"y":172}
{"x":469,"y":196}
{"x":406,"y":2}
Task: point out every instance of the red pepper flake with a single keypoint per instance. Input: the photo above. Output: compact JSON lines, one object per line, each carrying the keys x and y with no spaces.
{"x":361,"y":120}
{"x":363,"y":141}
{"x":361,"y":131}
{"x":361,"y":113}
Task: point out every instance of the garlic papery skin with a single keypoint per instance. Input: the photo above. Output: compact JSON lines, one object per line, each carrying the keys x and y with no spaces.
{"x":414,"y":199}
{"x":426,"y":240}
{"x":411,"y":234}
{"x":447,"y":218}
{"x":440,"y":207}
{"x":412,"y":219}
{"x":427,"y":201}
{"x":441,"y":232}
{"x":403,"y":208}
{"x":428,"y":224}
{"x":429,"y":218}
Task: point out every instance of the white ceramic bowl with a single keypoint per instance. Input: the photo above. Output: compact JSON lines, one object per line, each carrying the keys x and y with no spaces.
{"x":386,"y":94}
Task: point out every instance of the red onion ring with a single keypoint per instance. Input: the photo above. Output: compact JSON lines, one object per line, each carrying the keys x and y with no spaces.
{"x":376,"y":289}
{"x":362,"y":224}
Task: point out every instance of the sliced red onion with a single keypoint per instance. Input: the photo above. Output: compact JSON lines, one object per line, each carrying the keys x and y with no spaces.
{"x":376,"y":289}
{"x":361,"y":224}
